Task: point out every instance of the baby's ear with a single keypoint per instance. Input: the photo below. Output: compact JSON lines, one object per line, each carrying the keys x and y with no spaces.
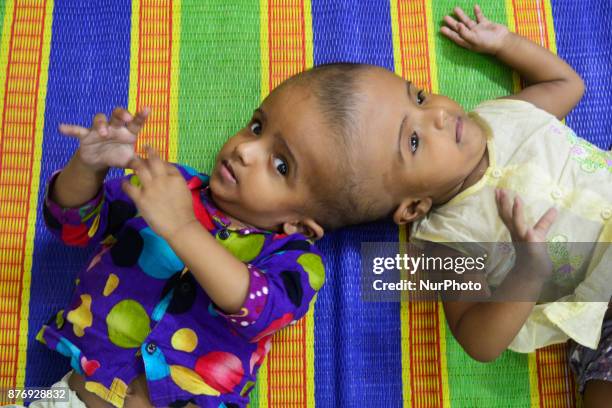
{"x":307,"y":227}
{"x":411,"y":209}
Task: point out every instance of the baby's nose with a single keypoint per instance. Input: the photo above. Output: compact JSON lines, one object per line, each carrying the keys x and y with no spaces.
{"x":440,"y":116}
{"x":247,"y":152}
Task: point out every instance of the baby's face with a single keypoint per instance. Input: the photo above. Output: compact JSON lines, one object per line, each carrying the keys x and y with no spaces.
{"x":420,"y":144}
{"x":260,"y":174}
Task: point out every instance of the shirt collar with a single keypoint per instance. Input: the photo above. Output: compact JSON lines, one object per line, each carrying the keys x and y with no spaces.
{"x":218,"y":217}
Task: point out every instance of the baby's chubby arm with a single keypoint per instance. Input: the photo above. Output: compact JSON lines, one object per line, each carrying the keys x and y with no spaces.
{"x":486,"y":329}
{"x":553,"y":85}
{"x":165,"y":202}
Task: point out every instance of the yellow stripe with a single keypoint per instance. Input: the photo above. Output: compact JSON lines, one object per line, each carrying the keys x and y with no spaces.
{"x":262,"y":374}
{"x":405,"y":332}
{"x":403,"y":237}
{"x":134,"y":39}
{"x":4,"y":47}
{"x":174,"y":82}
{"x":433,"y":74}
{"x":34,"y":190}
{"x":308,"y":34}
{"x":431,"y":36}
{"x":516,"y":80}
{"x":552,"y":41}
{"x":533,"y":380}
{"x":310,"y":365}
{"x":262,"y":384}
{"x":310,"y":337}
{"x":397,"y":56}
{"x":443,"y":359}
{"x":264,"y":48}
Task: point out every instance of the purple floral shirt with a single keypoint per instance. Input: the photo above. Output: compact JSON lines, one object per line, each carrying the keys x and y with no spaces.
{"x":137,"y":309}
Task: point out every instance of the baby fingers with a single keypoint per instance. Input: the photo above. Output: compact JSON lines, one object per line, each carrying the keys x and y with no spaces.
{"x":73,"y":130}
{"x":511,"y":213}
{"x":141,"y":169}
{"x":453,"y":35}
{"x":135,"y":126}
{"x":131,"y":190}
{"x":156,"y":165}
{"x":459,"y":32}
{"x":546,"y":221}
{"x":469,"y":23}
{"x":119,"y":117}
{"x":480,"y":17}
{"x":100,"y":124}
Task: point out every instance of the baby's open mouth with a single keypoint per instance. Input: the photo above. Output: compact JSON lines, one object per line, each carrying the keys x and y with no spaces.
{"x":228,"y":172}
{"x":458,"y":129}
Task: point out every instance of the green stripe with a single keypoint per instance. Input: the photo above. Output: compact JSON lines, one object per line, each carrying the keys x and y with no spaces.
{"x":220,"y":79}
{"x":3,"y":7}
{"x":470,"y":78}
{"x":219,"y":75}
{"x":502,"y":383}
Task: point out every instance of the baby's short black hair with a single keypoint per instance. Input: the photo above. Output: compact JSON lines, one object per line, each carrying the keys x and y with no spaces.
{"x":341,"y":201}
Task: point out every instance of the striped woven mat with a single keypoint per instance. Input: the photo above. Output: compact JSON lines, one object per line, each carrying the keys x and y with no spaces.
{"x":204,"y":65}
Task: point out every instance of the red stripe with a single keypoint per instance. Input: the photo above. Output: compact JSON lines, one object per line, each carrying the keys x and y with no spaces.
{"x":439,"y":359}
{"x":164,"y":27}
{"x":416,"y":395}
{"x":545,"y":24}
{"x":412,"y":401}
{"x":32,"y":143}
{"x":539,"y":372}
{"x":428,"y":66}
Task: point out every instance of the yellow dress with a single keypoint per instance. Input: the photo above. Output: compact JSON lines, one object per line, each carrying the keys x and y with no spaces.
{"x":533,"y":154}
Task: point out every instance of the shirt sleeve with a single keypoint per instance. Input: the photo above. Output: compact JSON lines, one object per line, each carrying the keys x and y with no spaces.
{"x":281,"y":289}
{"x":88,"y":224}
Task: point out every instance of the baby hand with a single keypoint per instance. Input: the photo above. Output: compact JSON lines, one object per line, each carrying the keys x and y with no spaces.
{"x":103,"y":146}
{"x":163,"y":198}
{"x":532,"y":250}
{"x":481,"y":35}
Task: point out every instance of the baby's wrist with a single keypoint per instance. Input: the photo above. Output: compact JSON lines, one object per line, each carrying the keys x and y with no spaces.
{"x":507,"y":42}
{"x":181,"y":229}
{"x":85,"y":165}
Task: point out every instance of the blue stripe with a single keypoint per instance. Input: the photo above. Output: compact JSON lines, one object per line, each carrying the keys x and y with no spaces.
{"x":583,"y":40}
{"x":347,"y":329}
{"x":88,"y":73}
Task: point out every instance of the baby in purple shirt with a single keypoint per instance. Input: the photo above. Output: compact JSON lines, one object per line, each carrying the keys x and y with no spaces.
{"x":195,"y":273}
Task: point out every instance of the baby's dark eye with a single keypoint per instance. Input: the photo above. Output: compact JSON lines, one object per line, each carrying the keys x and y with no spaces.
{"x":414,"y":142}
{"x":255,"y":127}
{"x":281,"y":166}
{"x":420,"y":97}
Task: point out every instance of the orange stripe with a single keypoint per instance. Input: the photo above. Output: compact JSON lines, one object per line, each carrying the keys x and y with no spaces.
{"x":530,"y":21}
{"x":555,"y":379}
{"x":155,"y":72}
{"x":424,"y":332}
{"x":412,"y":19}
{"x":17,"y":145}
{"x":287,"y":362}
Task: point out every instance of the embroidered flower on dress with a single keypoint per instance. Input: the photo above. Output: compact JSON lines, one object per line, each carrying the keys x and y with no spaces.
{"x":590,"y":157}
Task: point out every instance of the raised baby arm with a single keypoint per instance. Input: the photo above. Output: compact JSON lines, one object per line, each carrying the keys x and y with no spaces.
{"x":552,"y":84}
{"x":486,"y":329}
